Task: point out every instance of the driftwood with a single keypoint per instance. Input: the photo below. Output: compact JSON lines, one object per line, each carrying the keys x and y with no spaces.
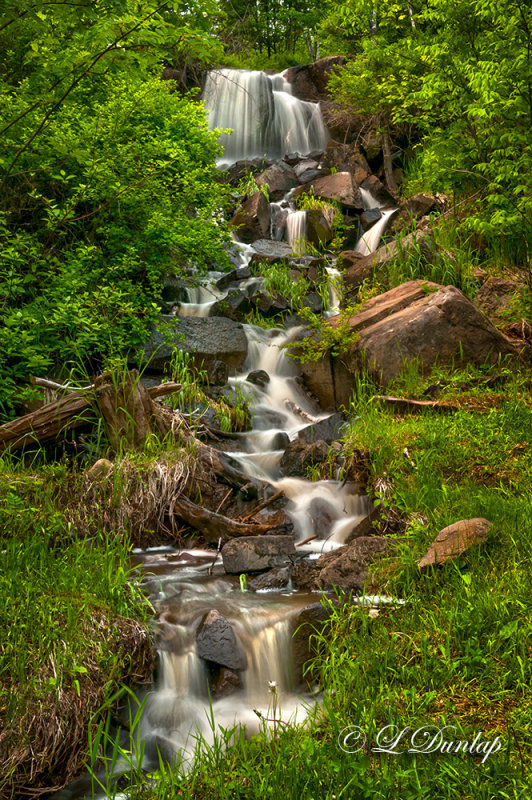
{"x":213,"y":525}
{"x":75,"y":409}
{"x":406,"y":404}
{"x":262,"y":505}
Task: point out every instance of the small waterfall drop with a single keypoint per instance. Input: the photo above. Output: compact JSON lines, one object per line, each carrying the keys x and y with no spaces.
{"x":266,"y":119}
{"x":296,"y":231}
{"x":369,"y":241}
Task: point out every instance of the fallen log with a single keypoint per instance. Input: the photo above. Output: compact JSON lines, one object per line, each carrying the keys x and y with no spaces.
{"x":213,"y":525}
{"x":74,"y":410}
{"x":406,"y":404}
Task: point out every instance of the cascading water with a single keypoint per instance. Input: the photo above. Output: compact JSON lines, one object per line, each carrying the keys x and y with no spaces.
{"x":271,"y":121}
{"x":369,"y":241}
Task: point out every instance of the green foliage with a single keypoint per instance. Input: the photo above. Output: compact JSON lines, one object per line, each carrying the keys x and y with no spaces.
{"x":277,"y":279}
{"x":107,"y":183}
{"x":325,"y":339}
{"x":461,"y":74}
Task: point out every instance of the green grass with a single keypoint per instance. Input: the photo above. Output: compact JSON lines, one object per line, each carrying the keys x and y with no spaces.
{"x":457,"y":653}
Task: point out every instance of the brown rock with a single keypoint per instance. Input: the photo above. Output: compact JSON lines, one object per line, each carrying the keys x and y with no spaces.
{"x":101,"y":469}
{"x":442,"y":327}
{"x":348,"y":567}
{"x":257,"y":553}
{"x":340,"y":187}
{"x":320,"y":225}
{"x":252,"y":221}
{"x":379,"y":191}
{"x":346,"y":158}
{"x":309,"y":81}
{"x":278,"y":180}
{"x":305,"y":575}
{"x":455,"y":539}
{"x":299,"y":455}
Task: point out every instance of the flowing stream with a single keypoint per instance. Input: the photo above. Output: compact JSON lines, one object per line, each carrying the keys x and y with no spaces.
{"x":183,"y":706}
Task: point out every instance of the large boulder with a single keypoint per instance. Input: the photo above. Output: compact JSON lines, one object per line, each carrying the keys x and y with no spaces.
{"x":345,"y":158}
{"x":207,"y":339}
{"x":277,"y":180}
{"x":266,"y":251}
{"x":257,"y":553}
{"x":216,"y":641}
{"x":320,"y":228}
{"x":497,"y":297}
{"x":252,"y":221}
{"x":340,"y":187}
{"x":299,"y":456}
{"x":417,"y":321}
{"x":441,"y":327}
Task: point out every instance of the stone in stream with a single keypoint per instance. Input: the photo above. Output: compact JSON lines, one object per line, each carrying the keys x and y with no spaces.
{"x":225,"y":683}
{"x":278,"y":180}
{"x":267,"y":251}
{"x":322,"y":514}
{"x":259,"y":377}
{"x":252,"y":221}
{"x":234,"y":276}
{"x":207,"y":339}
{"x":277,"y":578}
{"x":257,"y":553}
{"x":299,"y":455}
{"x":174,"y":290}
{"x":328,"y":429}
{"x":235,"y":305}
{"x":455,"y":539}
{"x":216,"y":641}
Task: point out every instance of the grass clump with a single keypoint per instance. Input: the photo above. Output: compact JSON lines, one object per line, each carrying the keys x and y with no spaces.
{"x":71,"y":626}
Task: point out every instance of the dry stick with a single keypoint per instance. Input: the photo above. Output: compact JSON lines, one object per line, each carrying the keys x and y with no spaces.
{"x":306,"y":541}
{"x":224,"y":499}
{"x":262,"y":505}
{"x":216,"y":556}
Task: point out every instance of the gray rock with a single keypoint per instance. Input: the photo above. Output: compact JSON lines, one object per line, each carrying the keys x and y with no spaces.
{"x":216,"y":641}
{"x":235,"y":305}
{"x":328,"y":429}
{"x":277,"y":578}
{"x":174,"y":290}
{"x":370,"y":217}
{"x":267,"y":250}
{"x":323,"y":514}
{"x":299,"y":456}
{"x":207,"y":339}
{"x":235,"y":275}
{"x":259,"y":377}
{"x":256,"y":553}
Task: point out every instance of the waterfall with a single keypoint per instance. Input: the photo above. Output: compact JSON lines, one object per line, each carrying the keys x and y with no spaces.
{"x":296,"y":231}
{"x":369,"y":241}
{"x":267,"y":119}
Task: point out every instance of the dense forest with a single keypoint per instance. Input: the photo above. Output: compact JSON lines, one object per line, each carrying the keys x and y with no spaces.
{"x":111,"y":192}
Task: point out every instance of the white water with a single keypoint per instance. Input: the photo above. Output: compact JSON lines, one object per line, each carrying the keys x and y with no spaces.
{"x":296,"y":231}
{"x":271,"y":121}
{"x":369,"y":241}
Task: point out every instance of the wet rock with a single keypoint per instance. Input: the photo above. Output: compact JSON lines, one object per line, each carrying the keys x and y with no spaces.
{"x":259,"y":377}
{"x":379,"y":192}
{"x":280,"y":441}
{"x":216,"y":641}
{"x":310,"y":621}
{"x":370,"y":217}
{"x":235,"y":275}
{"x":327,"y":429}
{"x":257,"y":553}
{"x":455,"y":539}
{"x":174,"y":290}
{"x":372,"y":144}
{"x":269,"y":303}
{"x":299,"y":456}
{"x":225,"y":683}
{"x":278,"y":180}
{"x":348,"y":567}
{"x":412,"y":209}
{"x":235,"y":305}
{"x":320,"y":225}
{"x":305,"y":574}
{"x":340,"y":187}
{"x":207,"y":339}
{"x":241,"y":169}
{"x":268,"y":251}
{"x":323,"y":514}
{"x":252,"y":221}
{"x":365,"y":527}
{"x":277,"y":578}
{"x":303,"y":165}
